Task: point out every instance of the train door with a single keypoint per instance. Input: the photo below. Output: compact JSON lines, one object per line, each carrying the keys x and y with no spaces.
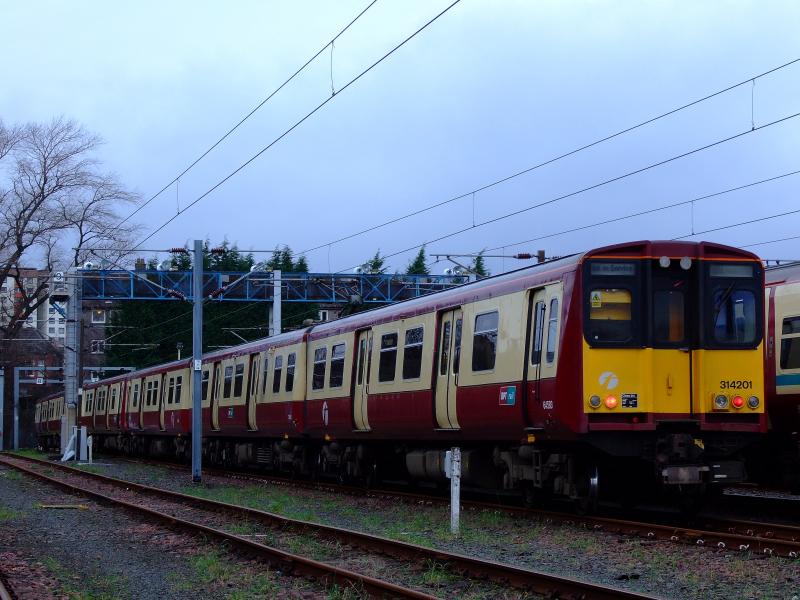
{"x":673,"y":288}
{"x":543,"y":335}
{"x":162,"y":401}
{"x":143,"y":384}
{"x":538,"y":312}
{"x":447,"y":368}
{"x":361,"y":387}
{"x":125,"y":407}
{"x":252,"y":391}
{"x":214,"y":405}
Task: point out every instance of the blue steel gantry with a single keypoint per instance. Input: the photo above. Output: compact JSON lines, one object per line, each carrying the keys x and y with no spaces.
{"x":353,"y":288}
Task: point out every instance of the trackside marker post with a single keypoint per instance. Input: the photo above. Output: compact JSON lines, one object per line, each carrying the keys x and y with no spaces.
{"x":452,"y":467}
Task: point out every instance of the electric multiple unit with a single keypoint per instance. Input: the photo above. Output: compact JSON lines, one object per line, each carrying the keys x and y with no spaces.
{"x":637,"y":364}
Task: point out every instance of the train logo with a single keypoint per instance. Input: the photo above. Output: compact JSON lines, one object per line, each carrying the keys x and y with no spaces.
{"x":325,"y":413}
{"x":609,"y":380}
{"x":508,"y":395}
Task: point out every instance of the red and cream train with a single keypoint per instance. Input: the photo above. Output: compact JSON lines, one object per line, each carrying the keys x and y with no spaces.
{"x":639,"y":363}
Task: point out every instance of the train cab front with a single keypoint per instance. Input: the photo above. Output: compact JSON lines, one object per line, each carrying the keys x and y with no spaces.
{"x":673,"y":358}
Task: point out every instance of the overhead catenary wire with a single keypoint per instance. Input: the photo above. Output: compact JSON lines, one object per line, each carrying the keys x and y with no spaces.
{"x":646,"y":212}
{"x":554,"y":159}
{"x":740,"y":224}
{"x":300,"y":121}
{"x":600,"y":184}
{"x":246,"y":117}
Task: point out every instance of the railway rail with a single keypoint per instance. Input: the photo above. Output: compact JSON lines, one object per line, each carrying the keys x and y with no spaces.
{"x":743,"y":535}
{"x":4,"y":593}
{"x":542,"y":583}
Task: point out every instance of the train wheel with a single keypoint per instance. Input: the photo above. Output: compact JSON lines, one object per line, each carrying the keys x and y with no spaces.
{"x":588,"y":490}
{"x":371,"y":474}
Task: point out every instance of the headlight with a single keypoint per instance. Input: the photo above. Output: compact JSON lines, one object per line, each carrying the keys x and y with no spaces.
{"x":594,"y":401}
{"x":753,"y":402}
{"x":721,"y":402}
{"x":737,"y":402}
{"x":611,"y":402}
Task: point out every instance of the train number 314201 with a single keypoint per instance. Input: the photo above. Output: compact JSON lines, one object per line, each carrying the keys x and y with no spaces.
{"x":735,"y":384}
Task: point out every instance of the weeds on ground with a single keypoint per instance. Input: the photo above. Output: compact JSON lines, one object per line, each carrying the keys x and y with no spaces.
{"x":32,"y":452}
{"x":242,"y":528}
{"x":102,"y":586}
{"x":213,"y":570}
{"x":256,"y":497}
{"x":13,"y":475}
{"x":436,"y":575}
{"x":351,"y":592}
{"x":89,"y":468}
{"x":6,"y":514}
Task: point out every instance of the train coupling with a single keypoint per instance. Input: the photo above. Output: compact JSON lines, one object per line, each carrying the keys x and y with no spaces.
{"x":717,"y":472}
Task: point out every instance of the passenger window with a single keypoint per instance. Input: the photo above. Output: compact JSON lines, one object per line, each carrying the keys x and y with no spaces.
{"x":135,"y":395}
{"x":337,"y":366}
{"x":484,"y":341}
{"x":388,"y":358}
{"x":457,"y":346}
{"x":445,"y":347}
{"x":412,"y":353}
{"x":318,"y":381}
{"x":178,"y":385}
{"x":790,"y":343}
{"x":276,"y":378}
{"x":238,"y":380}
{"x":362,"y":349}
{"x":609,"y":315}
{"x":538,"y":332}
{"x":226,"y":390}
{"x":171,"y":392}
{"x":204,"y":384}
{"x":552,"y":329}
{"x":264,"y":375}
{"x":252,"y":379}
{"x":290,"y":363}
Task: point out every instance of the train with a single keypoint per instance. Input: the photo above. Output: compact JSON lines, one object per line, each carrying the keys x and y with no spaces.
{"x":778,"y":457}
{"x":631,"y":367}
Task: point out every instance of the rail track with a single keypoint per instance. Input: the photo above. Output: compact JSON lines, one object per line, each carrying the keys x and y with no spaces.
{"x":771,"y":539}
{"x":4,"y":593}
{"x":139,"y":495}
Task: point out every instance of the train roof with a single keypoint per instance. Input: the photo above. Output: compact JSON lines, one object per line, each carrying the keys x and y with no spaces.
{"x":788,"y":273}
{"x":497,"y":285}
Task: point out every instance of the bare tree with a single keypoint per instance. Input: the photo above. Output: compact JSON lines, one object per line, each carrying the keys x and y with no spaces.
{"x":55,"y":204}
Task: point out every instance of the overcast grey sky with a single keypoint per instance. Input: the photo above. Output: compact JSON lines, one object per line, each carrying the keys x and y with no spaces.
{"x":489,"y":89}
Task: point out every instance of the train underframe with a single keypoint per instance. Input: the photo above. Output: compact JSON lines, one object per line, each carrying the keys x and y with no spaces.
{"x":628,"y":469}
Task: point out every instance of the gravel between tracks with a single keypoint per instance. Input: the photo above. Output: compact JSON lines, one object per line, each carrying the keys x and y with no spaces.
{"x":660,"y":568}
{"x":101,"y":552}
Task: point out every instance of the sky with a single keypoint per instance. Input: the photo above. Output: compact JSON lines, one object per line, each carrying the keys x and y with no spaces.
{"x":488,"y":90}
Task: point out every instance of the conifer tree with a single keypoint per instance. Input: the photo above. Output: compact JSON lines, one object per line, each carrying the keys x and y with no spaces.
{"x":479,"y":266}
{"x":418,"y":266}
{"x":377,"y":264}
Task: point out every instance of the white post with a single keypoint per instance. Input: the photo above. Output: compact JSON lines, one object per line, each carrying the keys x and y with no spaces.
{"x":455,"y":490}
{"x":89,"y":448}
{"x":82,"y":454}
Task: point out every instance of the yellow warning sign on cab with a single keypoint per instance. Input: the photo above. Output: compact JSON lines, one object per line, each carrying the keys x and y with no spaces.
{"x":596,"y":299}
